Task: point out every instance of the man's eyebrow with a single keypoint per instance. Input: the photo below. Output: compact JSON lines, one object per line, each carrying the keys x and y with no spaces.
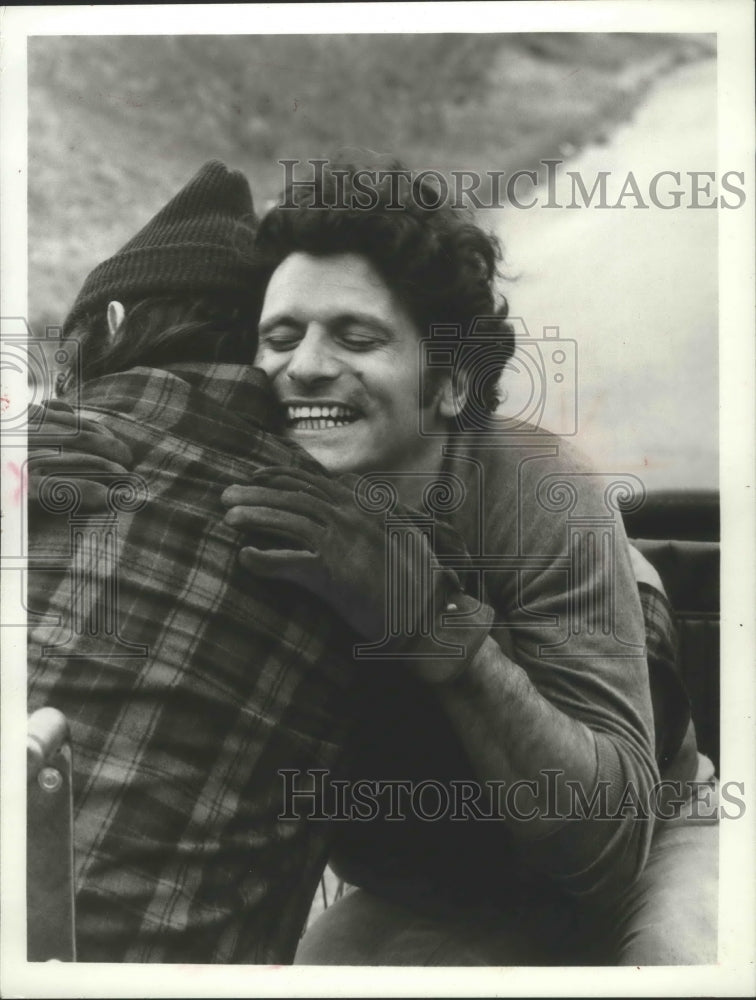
{"x":340,"y":320}
{"x":367,"y":319}
{"x":276,"y":320}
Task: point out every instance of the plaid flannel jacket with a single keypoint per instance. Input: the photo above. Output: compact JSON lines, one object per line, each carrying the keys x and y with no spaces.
{"x":187,"y":684}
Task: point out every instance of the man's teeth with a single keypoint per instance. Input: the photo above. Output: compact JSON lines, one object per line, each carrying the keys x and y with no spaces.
{"x":319,"y":417}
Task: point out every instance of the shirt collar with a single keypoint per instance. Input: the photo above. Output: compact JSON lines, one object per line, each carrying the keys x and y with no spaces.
{"x":241,"y":389}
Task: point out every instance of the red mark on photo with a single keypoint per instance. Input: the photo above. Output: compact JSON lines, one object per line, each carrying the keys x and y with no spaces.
{"x":20,"y":476}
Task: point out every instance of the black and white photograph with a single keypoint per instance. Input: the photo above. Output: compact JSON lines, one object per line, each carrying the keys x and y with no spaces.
{"x":377,"y":508}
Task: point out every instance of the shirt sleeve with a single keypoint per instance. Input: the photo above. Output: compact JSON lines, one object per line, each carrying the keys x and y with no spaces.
{"x":568,"y":612}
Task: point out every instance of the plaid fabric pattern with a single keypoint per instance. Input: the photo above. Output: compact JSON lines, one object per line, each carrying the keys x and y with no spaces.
{"x":180,"y":852}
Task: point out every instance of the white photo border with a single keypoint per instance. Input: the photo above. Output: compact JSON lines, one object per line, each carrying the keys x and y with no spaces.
{"x":732,"y":21}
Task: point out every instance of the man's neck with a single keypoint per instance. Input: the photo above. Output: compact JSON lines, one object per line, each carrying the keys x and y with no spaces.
{"x":411,"y":483}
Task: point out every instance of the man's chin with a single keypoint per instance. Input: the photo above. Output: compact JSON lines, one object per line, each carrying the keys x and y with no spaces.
{"x":334,"y":447}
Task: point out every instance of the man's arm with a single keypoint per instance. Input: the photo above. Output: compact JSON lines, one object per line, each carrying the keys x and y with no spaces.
{"x":581,"y":706}
{"x":513,"y":734}
{"x":563,"y":696}
{"x":63,"y":443}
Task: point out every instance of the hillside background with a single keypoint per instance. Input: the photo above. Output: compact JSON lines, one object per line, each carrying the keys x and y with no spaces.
{"x":118,"y":124}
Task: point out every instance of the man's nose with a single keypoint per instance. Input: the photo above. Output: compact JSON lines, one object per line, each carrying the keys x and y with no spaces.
{"x":313,"y":359}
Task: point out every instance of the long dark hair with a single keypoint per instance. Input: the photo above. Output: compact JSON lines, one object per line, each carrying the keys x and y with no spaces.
{"x":156,"y":331}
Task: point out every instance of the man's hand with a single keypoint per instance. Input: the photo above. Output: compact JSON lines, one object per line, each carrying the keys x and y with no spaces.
{"x":55,"y":450}
{"x":309,"y":529}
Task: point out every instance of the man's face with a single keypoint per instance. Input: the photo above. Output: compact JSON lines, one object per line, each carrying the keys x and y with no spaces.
{"x":343,"y":356}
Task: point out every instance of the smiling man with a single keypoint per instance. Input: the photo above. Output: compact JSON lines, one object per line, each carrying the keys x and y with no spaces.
{"x":549,"y":692}
{"x":342,"y":353}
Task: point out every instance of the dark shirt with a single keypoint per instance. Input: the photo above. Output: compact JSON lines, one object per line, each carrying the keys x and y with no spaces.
{"x":559,"y":577}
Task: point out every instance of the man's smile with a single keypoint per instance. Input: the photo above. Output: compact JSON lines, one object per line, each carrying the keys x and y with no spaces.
{"x":319,"y":416}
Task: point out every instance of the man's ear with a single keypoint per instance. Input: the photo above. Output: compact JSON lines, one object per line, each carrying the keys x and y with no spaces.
{"x":116,"y":313}
{"x":452,"y":395}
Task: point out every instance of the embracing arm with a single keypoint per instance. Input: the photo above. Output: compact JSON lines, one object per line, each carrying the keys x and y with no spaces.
{"x":513,"y":734}
{"x":571,"y":696}
{"x":64,"y":443}
{"x":563,"y":700}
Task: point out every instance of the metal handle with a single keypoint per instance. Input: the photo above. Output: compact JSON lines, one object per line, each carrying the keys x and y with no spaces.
{"x":46,"y":732}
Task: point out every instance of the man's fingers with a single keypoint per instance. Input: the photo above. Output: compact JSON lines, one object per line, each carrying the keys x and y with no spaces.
{"x":291,"y":501}
{"x":235,"y":495}
{"x":72,"y":463}
{"x":265,"y":522}
{"x":93,"y":498}
{"x":56,"y":424}
{"x":54,"y":414}
{"x":296,"y":480}
{"x":85,"y":443}
{"x":58,"y":404}
{"x":56,"y":411}
{"x":279,"y":564}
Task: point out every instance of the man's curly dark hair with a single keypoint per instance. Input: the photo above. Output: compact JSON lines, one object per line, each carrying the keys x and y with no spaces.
{"x":440,"y":265}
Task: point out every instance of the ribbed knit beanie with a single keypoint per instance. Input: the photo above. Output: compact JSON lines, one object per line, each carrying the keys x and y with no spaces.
{"x":201,"y":241}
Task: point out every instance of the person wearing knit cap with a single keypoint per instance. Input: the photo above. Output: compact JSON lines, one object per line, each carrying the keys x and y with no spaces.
{"x":190,"y":269}
{"x":208,"y":684}
{"x":201,"y":241}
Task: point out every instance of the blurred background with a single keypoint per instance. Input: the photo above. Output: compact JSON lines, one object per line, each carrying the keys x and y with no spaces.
{"x":118,"y":124}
